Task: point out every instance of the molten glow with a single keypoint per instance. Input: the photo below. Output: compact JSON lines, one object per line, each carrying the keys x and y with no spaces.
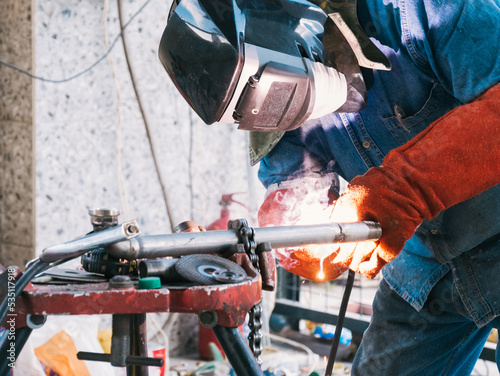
{"x":309,"y":205}
{"x":321,"y":274}
{"x":317,"y":212}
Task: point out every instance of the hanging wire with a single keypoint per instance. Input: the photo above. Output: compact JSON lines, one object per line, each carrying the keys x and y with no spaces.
{"x":119,"y":131}
{"x":146,"y":123}
{"x":25,"y":72}
{"x":190,"y":162}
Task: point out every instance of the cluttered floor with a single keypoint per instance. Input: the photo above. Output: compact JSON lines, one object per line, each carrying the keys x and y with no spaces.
{"x":285,"y":357}
{"x":288,"y":353}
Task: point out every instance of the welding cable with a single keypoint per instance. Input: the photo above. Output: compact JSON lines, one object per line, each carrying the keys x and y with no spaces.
{"x":35,"y":268}
{"x":22,"y":335}
{"x":340,"y":322}
{"x":144,"y":118}
{"x":31,"y":75}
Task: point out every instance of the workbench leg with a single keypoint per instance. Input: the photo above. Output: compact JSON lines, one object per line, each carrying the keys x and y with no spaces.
{"x":138,"y":343}
{"x":237,"y":351}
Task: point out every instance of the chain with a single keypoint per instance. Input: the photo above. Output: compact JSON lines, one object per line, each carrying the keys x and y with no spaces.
{"x":246,"y":235}
{"x":255,"y":314}
{"x":255,"y":335}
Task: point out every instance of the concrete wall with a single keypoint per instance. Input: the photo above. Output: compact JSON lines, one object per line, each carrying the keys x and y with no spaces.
{"x":92,"y":146}
{"x":17,"y":167}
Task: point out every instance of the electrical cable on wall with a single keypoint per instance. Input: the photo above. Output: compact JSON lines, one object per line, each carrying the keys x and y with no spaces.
{"x":123,"y":196}
{"x":106,"y":55}
{"x":146,"y":124}
{"x":27,"y":73}
{"x":190,"y":162}
{"x":118,"y":144}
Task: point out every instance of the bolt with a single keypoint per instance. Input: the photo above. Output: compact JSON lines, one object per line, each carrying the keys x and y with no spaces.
{"x":132,"y":229}
{"x":208,"y":318}
{"x":120,"y":282}
{"x":35,"y":321}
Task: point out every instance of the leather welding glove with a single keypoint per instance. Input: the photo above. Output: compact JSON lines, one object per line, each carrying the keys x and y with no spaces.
{"x":293,"y":206}
{"x":454,"y":159}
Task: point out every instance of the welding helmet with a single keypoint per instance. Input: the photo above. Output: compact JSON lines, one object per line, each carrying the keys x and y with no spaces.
{"x":268,"y":65}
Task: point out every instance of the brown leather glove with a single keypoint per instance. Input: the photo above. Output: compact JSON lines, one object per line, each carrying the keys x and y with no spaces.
{"x":454,"y":159}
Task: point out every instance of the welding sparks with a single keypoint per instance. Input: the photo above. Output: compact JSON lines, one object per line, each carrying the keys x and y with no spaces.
{"x":308,"y":204}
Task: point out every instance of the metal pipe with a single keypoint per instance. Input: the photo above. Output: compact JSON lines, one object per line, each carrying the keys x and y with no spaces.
{"x":78,"y":247}
{"x":120,"y":339}
{"x":161,"y":267}
{"x":180,"y":244}
{"x":185,"y":243}
{"x":331,"y":233}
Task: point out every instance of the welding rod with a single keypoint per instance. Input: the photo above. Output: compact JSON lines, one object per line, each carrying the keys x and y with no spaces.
{"x":180,"y":244}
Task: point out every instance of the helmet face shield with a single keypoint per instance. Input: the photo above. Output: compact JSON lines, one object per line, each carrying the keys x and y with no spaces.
{"x":200,"y":60}
{"x":258,"y":63}
{"x":275,"y":99}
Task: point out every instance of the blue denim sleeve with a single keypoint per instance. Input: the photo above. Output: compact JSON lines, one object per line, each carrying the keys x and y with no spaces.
{"x":459,"y":40}
{"x":294,"y":157}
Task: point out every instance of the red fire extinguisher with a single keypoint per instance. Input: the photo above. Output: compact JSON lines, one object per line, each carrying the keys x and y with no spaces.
{"x":225,"y":213}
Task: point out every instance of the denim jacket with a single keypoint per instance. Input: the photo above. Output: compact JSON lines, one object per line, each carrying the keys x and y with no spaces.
{"x":443,"y":54}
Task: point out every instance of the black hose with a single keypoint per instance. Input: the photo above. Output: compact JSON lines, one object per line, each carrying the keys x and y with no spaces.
{"x":340,"y":322}
{"x":10,"y":351}
{"x":37,"y":267}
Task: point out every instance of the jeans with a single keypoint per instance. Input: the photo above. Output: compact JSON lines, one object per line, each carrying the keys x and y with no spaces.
{"x":440,"y":339}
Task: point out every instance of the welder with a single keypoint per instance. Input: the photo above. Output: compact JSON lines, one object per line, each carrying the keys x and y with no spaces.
{"x":398,"y":98}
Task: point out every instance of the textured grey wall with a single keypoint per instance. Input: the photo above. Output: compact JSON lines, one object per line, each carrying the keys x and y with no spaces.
{"x":92,"y":149}
{"x":17,"y":170}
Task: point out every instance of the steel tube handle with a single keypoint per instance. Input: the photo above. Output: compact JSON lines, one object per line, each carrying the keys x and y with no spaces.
{"x":180,"y":244}
{"x":78,"y":247}
{"x":123,"y":240}
{"x":331,"y":233}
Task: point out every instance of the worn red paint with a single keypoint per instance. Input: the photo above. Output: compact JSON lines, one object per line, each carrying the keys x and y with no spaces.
{"x":230,"y":301}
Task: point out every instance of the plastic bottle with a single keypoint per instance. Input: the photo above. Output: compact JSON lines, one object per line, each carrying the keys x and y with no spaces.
{"x":328,"y":331}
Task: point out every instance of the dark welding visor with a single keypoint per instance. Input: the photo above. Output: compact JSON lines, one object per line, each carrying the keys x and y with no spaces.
{"x":203,"y":64}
